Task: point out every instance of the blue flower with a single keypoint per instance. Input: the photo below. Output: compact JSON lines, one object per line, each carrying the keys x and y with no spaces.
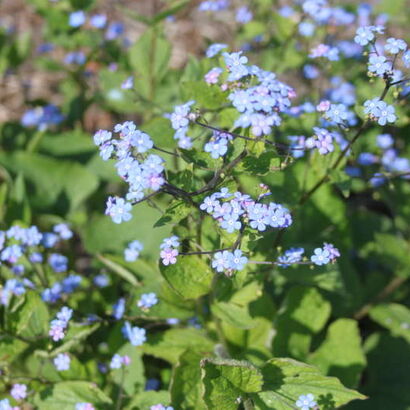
{"x":119,"y":308}
{"x":135,"y":335}
{"x":379,"y":65}
{"x":406,"y":58}
{"x":395,"y":45}
{"x":306,"y":29}
{"x":114,"y":30}
{"x":118,"y":209}
{"x":320,"y":256}
{"x":231,"y":223}
{"x":147,"y":300}
{"x":171,"y":242}
{"x":98,"y":20}
{"x":217,"y":147}
{"x":243,"y":15}
{"x":236,"y":260}
{"x":116,"y":362}
{"x":76,"y":18}
{"x":337,"y":113}
{"x":58,"y":262}
{"x":291,"y":256}
{"x":364,"y":35}
{"x":179,"y":118}
{"x":220,"y":261}
{"x":62,"y":362}
{"x":63,"y":231}
{"x":132,"y":252}
{"x":384,"y":113}
{"x":235,"y":63}
{"x":141,"y":141}
{"x":215,"y":49}
{"x":306,"y":402}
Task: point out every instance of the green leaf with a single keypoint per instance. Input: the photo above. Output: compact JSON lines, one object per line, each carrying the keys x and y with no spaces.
{"x":175,"y":212}
{"x":10,"y":349}
{"x":394,"y":317}
{"x":206,"y":96}
{"x":304,"y":313}
{"x":150,"y":55}
{"x":233,"y":314}
{"x":226,"y":380}
{"x":190,"y":277}
{"x":186,"y":386}
{"x":65,"y":395}
{"x":31,"y":318}
{"x":261,"y":165}
{"x":67,"y":143}
{"x":341,"y":353}
{"x":286,"y":379}
{"x":172,"y":343}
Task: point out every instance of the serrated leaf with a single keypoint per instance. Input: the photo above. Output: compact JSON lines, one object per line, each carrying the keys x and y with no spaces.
{"x":65,"y":395}
{"x":304,"y":313}
{"x":341,"y":353}
{"x":226,"y":380}
{"x":286,"y":379}
{"x":394,"y":317}
{"x":190,"y":276}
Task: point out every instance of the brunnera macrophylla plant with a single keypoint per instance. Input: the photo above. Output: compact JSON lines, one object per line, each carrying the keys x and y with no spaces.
{"x":235,"y":312}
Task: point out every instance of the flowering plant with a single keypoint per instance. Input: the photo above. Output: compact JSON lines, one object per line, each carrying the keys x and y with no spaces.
{"x":229,"y":232}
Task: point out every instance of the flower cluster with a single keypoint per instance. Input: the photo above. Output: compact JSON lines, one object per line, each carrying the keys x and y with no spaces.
{"x":142,"y":171}
{"x":322,"y":256}
{"x":387,"y":156}
{"x":234,"y":211}
{"x":180,"y":118}
{"x":21,"y":249}
{"x":226,"y":261}
{"x":169,"y":251}
{"x":379,"y":111}
{"x":58,"y":326}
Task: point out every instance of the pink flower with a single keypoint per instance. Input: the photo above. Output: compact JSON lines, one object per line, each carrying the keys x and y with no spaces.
{"x":169,"y":256}
{"x":323,"y":106}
